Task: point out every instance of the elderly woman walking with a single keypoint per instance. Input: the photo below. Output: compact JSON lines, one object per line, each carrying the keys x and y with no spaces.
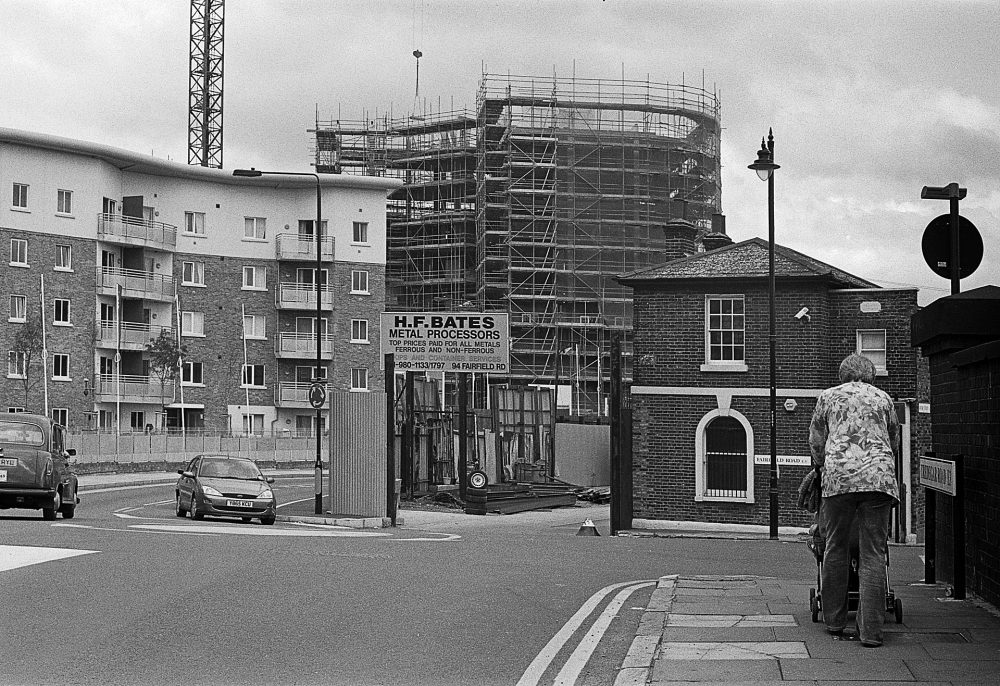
{"x":854,"y":437}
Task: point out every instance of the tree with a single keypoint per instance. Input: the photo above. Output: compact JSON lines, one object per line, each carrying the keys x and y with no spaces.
{"x":27,"y":345}
{"x":164,"y":354}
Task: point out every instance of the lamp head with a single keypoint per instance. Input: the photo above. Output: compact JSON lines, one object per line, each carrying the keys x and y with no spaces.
{"x":250,"y":173}
{"x":764,"y":164}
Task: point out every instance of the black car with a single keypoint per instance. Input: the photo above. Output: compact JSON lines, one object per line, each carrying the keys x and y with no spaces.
{"x":224,"y":486}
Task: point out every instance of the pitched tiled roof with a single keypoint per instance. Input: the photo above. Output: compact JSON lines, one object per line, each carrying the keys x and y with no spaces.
{"x":746,"y":259}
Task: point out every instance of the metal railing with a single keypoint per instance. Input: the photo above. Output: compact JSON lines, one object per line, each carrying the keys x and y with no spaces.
{"x":131,"y":388}
{"x":117,"y":228}
{"x":134,"y":335}
{"x":292,"y":246}
{"x":136,"y":283}
{"x":292,"y":393}
{"x":296,"y":295}
{"x":294,"y":344}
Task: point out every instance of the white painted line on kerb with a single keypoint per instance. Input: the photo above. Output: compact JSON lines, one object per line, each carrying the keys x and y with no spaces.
{"x":578,"y":660}
{"x":544,"y":658}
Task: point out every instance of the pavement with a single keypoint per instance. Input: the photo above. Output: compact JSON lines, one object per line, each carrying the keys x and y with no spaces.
{"x":737,"y":629}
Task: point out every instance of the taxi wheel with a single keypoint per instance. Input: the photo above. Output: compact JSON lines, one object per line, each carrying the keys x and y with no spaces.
{"x":178,"y":508}
{"x":195,"y":514}
{"x":68,"y":508}
{"x":267,"y":520}
{"x":49,"y":513}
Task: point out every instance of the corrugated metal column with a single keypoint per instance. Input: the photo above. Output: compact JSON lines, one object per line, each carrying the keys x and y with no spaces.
{"x":358,"y":464}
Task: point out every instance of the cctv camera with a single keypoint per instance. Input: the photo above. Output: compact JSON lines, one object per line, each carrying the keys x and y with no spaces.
{"x":804,"y":312}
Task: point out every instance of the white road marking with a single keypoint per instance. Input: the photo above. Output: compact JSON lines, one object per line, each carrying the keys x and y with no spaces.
{"x":110,"y":489}
{"x":14,"y":556}
{"x":133,"y":531}
{"x":544,"y":658}
{"x":578,"y":660}
{"x":245,"y":530}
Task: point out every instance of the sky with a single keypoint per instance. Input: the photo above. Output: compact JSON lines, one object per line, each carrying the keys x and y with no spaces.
{"x":869,"y":101}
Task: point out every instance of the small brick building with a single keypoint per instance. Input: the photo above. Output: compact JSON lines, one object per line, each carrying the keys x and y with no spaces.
{"x":700,"y":392}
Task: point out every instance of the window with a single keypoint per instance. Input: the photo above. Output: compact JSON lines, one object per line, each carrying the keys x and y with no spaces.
{"x":105,"y":420}
{"x":307,"y":374}
{"x":359,"y":331}
{"x":14,"y":410}
{"x":64,"y":202}
{"x":60,"y":367}
{"x":64,"y":258}
{"x":307,"y":276}
{"x":193,"y":274}
{"x":17,"y":364}
{"x":18,"y":308}
{"x":253,"y":375}
{"x":61,"y":315}
{"x":18,"y":252}
{"x":192,"y":323}
{"x":254,"y":278}
{"x":871,"y":344}
{"x":360,"y":234}
{"x":724,"y":333}
{"x":191,"y":374}
{"x":20,"y":199}
{"x":137,"y":421}
{"x":194,"y":223}
{"x":724,"y":453}
{"x":253,"y":424}
{"x":254,"y":228}
{"x":359,"y":282}
{"x":253,"y":326}
{"x":359,"y":379}
{"x":306,"y":228}
{"x":60,"y":415}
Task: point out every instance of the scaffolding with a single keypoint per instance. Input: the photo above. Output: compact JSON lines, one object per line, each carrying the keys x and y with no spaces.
{"x":535,"y":203}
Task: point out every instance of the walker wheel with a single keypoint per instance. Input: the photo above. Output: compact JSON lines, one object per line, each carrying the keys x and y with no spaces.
{"x":898,"y":607}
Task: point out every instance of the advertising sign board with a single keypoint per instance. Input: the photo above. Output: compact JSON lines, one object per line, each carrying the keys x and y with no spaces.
{"x":447,"y":341}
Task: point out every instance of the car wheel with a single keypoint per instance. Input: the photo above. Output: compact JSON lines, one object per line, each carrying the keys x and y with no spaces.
{"x":267,"y":520}
{"x":195,"y":514}
{"x":178,"y":508}
{"x":50,"y":512}
{"x":68,"y":508}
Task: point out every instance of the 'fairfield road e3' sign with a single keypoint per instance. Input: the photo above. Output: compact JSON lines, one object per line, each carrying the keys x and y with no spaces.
{"x":447,"y":341}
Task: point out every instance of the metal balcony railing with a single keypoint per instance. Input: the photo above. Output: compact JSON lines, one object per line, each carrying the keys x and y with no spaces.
{"x":292,"y":394}
{"x":131,"y":388}
{"x":301,"y":296}
{"x":117,"y":228}
{"x":135,"y":283}
{"x":301,"y":345}
{"x":291,"y":246}
{"x":134,"y":335}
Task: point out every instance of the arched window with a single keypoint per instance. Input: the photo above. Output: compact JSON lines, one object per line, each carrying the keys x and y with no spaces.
{"x":724,"y":453}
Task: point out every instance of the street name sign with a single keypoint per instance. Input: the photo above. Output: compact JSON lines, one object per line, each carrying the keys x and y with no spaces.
{"x":447,"y":341}
{"x":938,"y":475}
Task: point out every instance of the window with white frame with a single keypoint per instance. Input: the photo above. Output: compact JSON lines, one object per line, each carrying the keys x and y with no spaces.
{"x":871,"y":343}
{"x":14,"y":410}
{"x":253,"y":424}
{"x":724,"y":332}
{"x":194,"y":223}
{"x":306,"y":228}
{"x":359,"y":281}
{"x":725,"y":457}
{"x":60,"y":367}
{"x":359,"y":331}
{"x":20,"y":196}
{"x":60,"y":415}
{"x":193,"y":324}
{"x":360,"y":232}
{"x":64,"y":201}
{"x":307,"y":374}
{"x":359,"y":379}
{"x":17,"y":364}
{"x":306,"y":276}
{"x":137,"y":420}
{"x":18,"y":308}
{"x":254,"y":278}
{"x":253,"y":326}
{"x":61,"y":312}
{"x":191,"y":374}
{"x":255,"y":228}
{"x":253,"y":375}
{"x":64,"y":258}
{"x":193,"y":274}
{"x":18,"y":252}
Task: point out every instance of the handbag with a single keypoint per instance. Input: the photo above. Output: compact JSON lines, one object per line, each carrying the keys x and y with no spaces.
{"x":811,"y":491}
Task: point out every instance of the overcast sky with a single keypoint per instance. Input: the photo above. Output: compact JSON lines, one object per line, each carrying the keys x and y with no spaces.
{"x":869,"y":101}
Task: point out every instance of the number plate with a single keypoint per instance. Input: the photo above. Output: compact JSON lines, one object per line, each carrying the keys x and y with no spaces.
{"x":239,"y":503}
{"x":3,"y":474}
{"x":8,"y":462}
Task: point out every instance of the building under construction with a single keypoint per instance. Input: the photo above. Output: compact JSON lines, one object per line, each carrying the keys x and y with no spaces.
{"x":534,"y":203}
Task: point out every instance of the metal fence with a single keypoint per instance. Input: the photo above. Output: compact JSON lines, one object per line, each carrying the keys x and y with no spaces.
{"x":109,"y":447}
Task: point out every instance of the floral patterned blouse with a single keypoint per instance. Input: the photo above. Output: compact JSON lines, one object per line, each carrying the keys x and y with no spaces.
{"x":853,"y":433}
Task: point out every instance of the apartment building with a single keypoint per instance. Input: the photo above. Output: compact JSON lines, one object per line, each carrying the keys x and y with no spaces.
{"x":118,"y":250}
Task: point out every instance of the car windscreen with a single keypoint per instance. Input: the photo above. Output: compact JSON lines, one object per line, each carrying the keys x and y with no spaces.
{"x":20,"y":432}
{"x":228,"y":469}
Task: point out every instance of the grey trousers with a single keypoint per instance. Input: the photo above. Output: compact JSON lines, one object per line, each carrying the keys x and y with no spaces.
{"x":867,"y":514}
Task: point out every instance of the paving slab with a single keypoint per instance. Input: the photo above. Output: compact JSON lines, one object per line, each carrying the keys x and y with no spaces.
{"x":675,"y":619}
{"x":723,"y":671}
{"x":720,"y":634}
{"x":732,"y":650}
{"x":848,"y":669}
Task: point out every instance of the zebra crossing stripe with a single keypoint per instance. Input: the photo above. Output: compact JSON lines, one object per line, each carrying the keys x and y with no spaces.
{"x":14,"y":556}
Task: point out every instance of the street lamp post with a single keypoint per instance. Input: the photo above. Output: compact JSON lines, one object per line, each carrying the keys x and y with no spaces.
{"x":765,"y":166}
{"x":317,"y":373}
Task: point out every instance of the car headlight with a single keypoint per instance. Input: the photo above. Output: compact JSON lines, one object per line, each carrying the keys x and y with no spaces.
{"x":208,"y":490}
{"x":267,"y":495}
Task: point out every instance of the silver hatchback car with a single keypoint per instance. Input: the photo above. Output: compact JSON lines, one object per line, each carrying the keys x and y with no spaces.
{"x":224,"y":486}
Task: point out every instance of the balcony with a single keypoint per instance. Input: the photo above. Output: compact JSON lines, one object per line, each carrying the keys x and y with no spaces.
{"x":292,"y":394}
{"x":136,"y":284}
{"x":121,"y":230}
{"x":302,"y":346}
{"x":301,"y":296}
{"x":129,"y":388}
{"x":134,"y":335}
{"x":291,"y":246}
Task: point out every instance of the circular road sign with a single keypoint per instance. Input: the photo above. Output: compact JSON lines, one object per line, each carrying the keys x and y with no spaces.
{"x":317,"y":395}
{"x":936,"y":246}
